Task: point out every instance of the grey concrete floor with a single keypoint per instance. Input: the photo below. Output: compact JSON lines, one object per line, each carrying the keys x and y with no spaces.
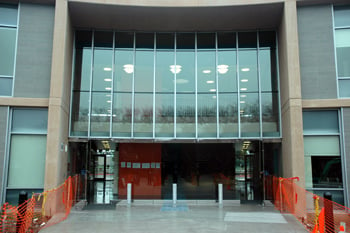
{"x":182,"y":218}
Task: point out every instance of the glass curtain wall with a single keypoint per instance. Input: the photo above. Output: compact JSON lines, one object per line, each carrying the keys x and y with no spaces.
{"x":322,"y":149}
{"x":342,"y":45}
{"x":175,"y":85}
{"x":8,"y":35}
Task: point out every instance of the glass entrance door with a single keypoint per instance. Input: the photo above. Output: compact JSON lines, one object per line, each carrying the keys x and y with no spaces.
{"x":248,"y":171}
{"x":101,"y":180}
{"x":103,"y":173}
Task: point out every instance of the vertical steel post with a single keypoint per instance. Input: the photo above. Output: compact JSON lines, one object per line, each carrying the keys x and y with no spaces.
{"x":129,"y":193}
{"x":174,"y":194}
{"x":220,"y":194}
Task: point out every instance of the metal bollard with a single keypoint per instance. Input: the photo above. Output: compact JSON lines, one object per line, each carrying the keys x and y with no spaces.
{"x":328,"y":212}
{"x":220,"y":193}
{"x":129,"y":193}
{"x":174,"y":194}
{"x":22,"y":209}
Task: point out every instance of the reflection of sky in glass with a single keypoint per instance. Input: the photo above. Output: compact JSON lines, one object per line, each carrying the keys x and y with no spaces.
{"x":122,"y":79}
{"x":102,"y":59}
{"x":164,"y":78}
{"x":206,"y":62}
{"x":248,"y":59}
{"x":144,"y":71}
{"x":187,"y":61}
{"x":228,"y":81}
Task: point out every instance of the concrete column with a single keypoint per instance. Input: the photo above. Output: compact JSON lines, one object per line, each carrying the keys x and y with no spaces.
{"x":290,"y":86}
{"x":58,"y":119}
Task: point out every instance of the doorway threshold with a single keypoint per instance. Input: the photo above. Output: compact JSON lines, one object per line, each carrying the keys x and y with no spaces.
{"x":179,"y":202}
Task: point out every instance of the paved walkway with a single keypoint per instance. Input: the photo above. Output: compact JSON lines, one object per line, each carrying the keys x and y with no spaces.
{"x":165,"y":218}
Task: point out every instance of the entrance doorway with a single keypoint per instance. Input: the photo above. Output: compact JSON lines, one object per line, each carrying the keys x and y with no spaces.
{"x":196,"y":168}
{"x":103,"y":172}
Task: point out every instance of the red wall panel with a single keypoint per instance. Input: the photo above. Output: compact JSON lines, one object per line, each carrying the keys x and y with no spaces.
{"x":140,"y":164}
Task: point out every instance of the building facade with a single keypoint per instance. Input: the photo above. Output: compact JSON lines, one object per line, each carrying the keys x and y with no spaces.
{"x":160,"y":92}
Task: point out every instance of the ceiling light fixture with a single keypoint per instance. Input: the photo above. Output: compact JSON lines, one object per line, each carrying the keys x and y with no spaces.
{"x":206,"y":71}
{"x":108,"y":80}
{"x":222,"y":69}
{"x":210,"y":81}
{"x":108,"y":88}
{"x":129,"y":68}
{"x":212,"y":90}
{"x":245,"y":69}
{"x":175,"y":69}
{"x":244,"y":80}
{"x":244,"y":89}
{"x":107,"y":69}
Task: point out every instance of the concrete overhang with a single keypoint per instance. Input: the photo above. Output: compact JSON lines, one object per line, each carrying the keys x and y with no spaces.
{"x":142,"y":18}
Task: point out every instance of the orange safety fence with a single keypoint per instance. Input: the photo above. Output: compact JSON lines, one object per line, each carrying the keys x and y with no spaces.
{"x":317,"y":214}
{"x":41,"y":210}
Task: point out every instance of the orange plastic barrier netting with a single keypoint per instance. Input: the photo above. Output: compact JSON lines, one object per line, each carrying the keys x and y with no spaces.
{"x":42,"y":210}
{"x":317,"y":214}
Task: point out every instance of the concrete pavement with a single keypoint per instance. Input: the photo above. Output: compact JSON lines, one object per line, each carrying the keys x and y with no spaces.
{"x":184,"y":217}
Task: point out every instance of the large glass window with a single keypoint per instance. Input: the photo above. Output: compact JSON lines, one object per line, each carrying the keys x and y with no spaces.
{"x":323,"y":168}
{"x":27,"y":152}
{"x":8,"y":35}
{"x":342,"y":44}
{"x":175,"y":85}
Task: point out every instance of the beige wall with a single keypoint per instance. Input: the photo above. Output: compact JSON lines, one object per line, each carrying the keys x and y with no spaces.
{"x":292,"y":128}
{"x":57,"y":137}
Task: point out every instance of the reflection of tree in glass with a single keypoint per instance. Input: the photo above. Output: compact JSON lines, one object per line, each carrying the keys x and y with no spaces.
{"x":186,"y":114}
{"x":268,"y":114}
{"x":206,"y":114}
{"x":250,"y":112}
{"x":83,"y":114}
{"x":165,"y":114}
{"x":228,"y":114}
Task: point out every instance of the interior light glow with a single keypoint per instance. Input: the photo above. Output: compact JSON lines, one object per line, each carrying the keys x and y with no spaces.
{"x":210,"y":81}
{"x":129,"y":68}
{"x":242,"y":102}
{"x":206,"y":71}
{"x":244,"y":80}
{"x":244,"y":89}
{"x":212,"y":90}
{"x":108,"y":80}
{"x":222,"y":69}
{"x":107,"y":69}
{"x":214,"y":96}
{"x":109,"y":101}
{"x":108,"y":88}
{"x":243,"y":96}
{"x":245,"y":69}
{"x":175,"y":69}
{"x":108,"y":95}
{"x":181,"y":81}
